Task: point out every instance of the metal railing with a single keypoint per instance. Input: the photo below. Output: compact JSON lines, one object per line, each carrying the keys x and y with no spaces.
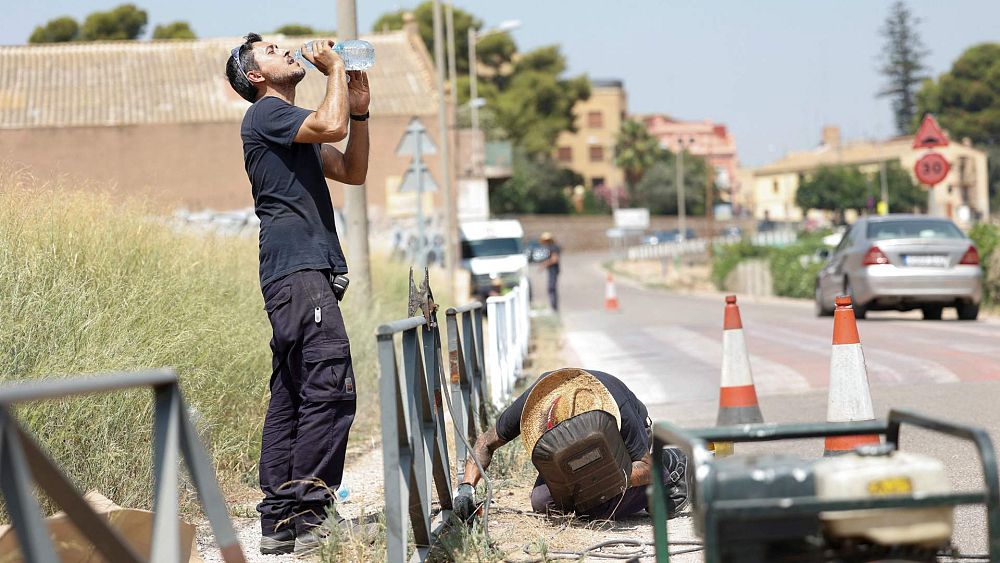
{"x":23,"y":465}
{"x":674,"y":249}
{"x":709,"y":511}
{"x":467,"y":371}
{"x":509,"y":328}
{"x":414,"y":446}
{"x":411,"y":386}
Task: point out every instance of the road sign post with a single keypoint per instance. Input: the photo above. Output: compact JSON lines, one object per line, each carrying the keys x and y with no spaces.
{"x":417,"y":178}
{"x":932,"y":167}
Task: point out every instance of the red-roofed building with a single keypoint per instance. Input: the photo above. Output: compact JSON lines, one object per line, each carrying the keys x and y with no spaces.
{"x":706,"y":139}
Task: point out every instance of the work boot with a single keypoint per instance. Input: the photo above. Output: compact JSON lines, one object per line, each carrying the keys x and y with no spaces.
{"x":675,"y":475}
{"x":316,"y":535}
{"x":277,"y":543}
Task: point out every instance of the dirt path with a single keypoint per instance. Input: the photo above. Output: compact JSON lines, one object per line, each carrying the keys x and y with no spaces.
{"x":363,"y":477}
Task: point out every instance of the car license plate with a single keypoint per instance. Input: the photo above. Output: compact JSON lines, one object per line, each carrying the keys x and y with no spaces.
{"x":890,"y":486}
{"x":926,"y":260}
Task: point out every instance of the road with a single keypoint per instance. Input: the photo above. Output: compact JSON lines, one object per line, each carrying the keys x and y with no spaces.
{"x":667,"y":348}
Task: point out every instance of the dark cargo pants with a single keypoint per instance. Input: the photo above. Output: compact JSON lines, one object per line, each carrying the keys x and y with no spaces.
{"x":312,"y":402}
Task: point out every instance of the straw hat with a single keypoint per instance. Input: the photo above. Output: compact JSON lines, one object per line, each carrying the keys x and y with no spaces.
{"x":546,"y":237}
{"x":560,"y":395}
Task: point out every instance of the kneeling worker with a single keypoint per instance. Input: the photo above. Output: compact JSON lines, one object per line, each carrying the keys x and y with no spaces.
{"x":589,"y":438}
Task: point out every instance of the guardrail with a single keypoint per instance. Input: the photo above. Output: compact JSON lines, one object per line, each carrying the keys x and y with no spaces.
{"x":509,"y":328}
{"x":23,"y":465}
{"x":467,"y":378}
{"x":415,"y":449}
{"x":674,"y":249}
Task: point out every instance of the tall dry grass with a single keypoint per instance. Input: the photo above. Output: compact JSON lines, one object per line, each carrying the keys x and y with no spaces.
{"x":92,"y":284}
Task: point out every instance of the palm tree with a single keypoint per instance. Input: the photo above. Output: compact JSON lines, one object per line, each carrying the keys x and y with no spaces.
{"x":635,"y":151}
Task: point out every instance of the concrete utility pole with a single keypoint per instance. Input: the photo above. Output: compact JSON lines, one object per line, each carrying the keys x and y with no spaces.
{"x":446,"y":167}
{"x":355,"y":197}
{"x":452,"y":206}
{"x":885,"y":185}
{"x":681,"y":212}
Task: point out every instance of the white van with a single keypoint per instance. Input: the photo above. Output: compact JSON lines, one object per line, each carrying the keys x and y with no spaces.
{"x":493,"y":250}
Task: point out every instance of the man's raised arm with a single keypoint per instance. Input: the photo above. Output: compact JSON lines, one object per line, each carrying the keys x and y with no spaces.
{"x":329,"y":123}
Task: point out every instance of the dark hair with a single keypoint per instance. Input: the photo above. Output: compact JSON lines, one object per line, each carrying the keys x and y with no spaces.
{"x":236,"y":70}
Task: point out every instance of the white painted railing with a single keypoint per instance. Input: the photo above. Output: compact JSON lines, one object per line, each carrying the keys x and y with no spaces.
{"x":509,"y":328}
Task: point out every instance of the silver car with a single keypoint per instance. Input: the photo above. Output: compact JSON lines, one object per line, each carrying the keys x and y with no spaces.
{"x":900,"y":263}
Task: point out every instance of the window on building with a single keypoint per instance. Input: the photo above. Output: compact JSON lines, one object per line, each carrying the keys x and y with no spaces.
{"x":775,"y":187}
{"x":565,"y":154}
{"x":597,"y":153}
{"x":595,"y":119}
{"x":596,"y":181}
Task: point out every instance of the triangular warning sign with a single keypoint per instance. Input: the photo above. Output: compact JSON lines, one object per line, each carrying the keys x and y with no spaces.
{"x":929,"y":135}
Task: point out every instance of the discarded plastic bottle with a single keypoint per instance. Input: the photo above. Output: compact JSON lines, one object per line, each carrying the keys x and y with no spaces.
{"x":342,"y":493}
{"x":357,"y":54}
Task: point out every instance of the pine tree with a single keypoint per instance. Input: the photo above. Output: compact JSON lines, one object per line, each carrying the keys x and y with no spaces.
{"x":902,"y":64}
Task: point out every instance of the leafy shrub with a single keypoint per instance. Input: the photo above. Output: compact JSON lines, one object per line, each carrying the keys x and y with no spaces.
{"x":725,"y":258}
{"x":986,"y":237}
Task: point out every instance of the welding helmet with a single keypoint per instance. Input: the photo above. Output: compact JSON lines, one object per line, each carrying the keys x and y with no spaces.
{"x":572,"y":426}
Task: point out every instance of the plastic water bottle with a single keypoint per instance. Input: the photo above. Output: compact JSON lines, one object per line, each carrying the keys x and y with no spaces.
{"x":342,"y":493}
{"x":357,"y":54}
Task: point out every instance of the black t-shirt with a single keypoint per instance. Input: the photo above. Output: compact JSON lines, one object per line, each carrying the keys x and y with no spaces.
{"x":634,"y":415}
{"x":554,"y":249}
{"x":291,"y":198}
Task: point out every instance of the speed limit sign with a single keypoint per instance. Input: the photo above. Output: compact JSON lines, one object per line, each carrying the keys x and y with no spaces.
{"x":931,"y":168}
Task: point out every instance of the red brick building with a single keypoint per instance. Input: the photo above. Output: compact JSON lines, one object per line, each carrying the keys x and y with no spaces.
{"x":159,"y":119}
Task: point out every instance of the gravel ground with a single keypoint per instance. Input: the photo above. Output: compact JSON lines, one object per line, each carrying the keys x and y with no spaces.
{"x":364,"y":479}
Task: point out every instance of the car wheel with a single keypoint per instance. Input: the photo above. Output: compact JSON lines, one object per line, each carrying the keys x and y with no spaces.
{"x":932,"y":312}
{"x":821,"y":310}
{"x":860,"y":311}
{"x":967,"y":311}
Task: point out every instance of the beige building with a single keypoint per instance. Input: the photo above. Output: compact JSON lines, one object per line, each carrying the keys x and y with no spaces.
{"x":158,"y":118}
{"x":590,"y":151}
{"x":962,"y":196}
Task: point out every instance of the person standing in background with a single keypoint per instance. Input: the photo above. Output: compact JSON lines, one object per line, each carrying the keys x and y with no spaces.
{"x":552,"y":267}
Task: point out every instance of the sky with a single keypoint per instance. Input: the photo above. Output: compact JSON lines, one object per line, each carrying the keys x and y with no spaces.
{"x":774,"y":71}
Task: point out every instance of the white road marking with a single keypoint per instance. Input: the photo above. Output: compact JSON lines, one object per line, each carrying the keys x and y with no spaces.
{"x":905,"y":367}
{"x":598,"y":351}
{"x":770,"y":378}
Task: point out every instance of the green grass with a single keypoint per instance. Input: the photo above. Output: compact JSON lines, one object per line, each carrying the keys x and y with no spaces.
{"x":91,"y":284}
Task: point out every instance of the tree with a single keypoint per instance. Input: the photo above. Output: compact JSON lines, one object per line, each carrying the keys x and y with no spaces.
{"x":123,"y":22}
{"x":838,"y":188}
{"x":537,"y":185}
{"x":905,"y":195}
{"x":966,"y":102}
{"x":175,"y":30}
{"x":902,"y":65}
{"x":635,"y":151}
{"x":295,"y":30}
{"x":657,"y":189}
{"x":536,"y":105}
{"x":59,"y":30}
{"x":423,"y":14}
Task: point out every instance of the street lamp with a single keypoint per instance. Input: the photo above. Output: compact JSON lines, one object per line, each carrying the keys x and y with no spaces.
{"x":474,"y":102}
{"x":681,"y":212}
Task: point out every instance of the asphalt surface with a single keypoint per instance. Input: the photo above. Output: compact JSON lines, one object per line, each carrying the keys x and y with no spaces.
{"x":667,"y":348}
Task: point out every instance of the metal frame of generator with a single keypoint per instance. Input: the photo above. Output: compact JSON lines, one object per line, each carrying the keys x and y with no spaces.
{"x":713,"y":510}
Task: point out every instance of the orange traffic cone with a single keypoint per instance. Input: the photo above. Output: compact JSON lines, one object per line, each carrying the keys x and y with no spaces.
{"x":610,"y":295}
{"x":850,"y":399}
{"x":737,"y":394}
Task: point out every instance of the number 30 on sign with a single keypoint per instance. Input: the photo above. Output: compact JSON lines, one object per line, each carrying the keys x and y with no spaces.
{"x":931,"y":168}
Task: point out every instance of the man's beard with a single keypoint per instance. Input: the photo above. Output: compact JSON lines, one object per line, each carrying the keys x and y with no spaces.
{"x":292,"y":78}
